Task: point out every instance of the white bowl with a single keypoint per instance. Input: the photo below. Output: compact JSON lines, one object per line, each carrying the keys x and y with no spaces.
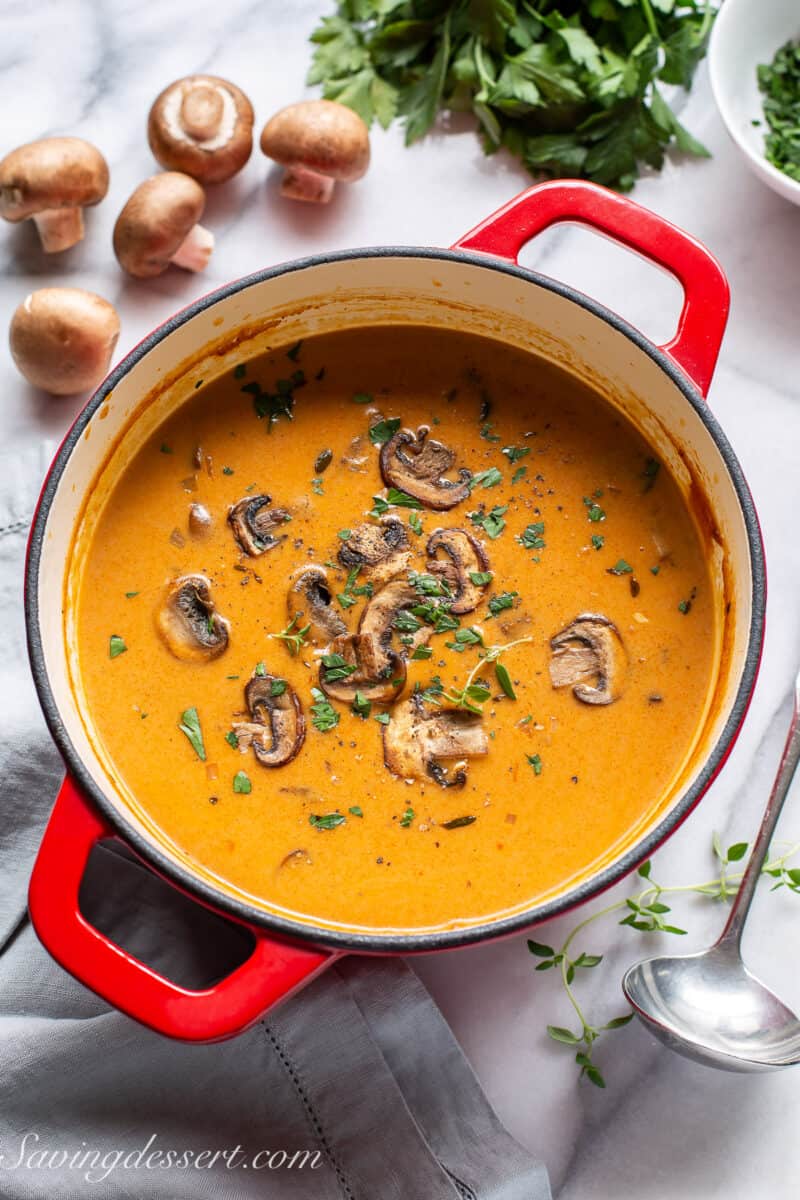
{"x":746,"y":33}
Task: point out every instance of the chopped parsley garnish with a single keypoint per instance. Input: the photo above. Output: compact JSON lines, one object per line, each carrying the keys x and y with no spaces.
{"x":190,"y":725}
{"x":654,"y":570}
{"x":394,"y":498}
{"x":327,"y":820}
{"x":165,"y":449}
{"x":349,"y":596}
{"x":520,"y":473}
{"x":383,"y":718}
{"x":465,"y":638}
{"x":779,"y":83}
{"x":116,"y":646}
{"x":505,"y":600}
{"x":130,"y":595}
{"x":535,"y":762}
{"x":361,"y":706}
{"x":487,"y":479}
{"x":227,"y":470}
{"x":344,"y":534}
{"x":336,"y":668}
{"x":407,"y":818}
{"x":684,"y":606}
{"x":621,"y":567}
{"x":531,"y":537}
{"x":421,"y":652}
{"x":515,"y":453}
{"x":405,"y":622}
{"x":277,"y":404}
{"x":362,"y":398}
{"x":316,"y":486}
{"x":232,"y":739}
{"x":487,"y":434}
{"x":260,"y":669}
{"x":356,"y":810}
{"x":384,"y":430}
{"x":278,"y":687}
{"x":426,"y":584}
{"x":650,"y":473}
{"x":481,"y":578}
{"x":459,"y":822}
{"x":242,"y":784}
{"x":239,"y":371}
{"x":598,"y":541}
{"x":324,"y":716}
{"x":432,"y":693}
{"x":593,"y":510}
{"x":414,"y":524}
{"x":491,"y":522}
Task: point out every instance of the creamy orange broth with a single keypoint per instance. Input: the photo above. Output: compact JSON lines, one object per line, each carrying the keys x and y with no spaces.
{"x":600,"y":770}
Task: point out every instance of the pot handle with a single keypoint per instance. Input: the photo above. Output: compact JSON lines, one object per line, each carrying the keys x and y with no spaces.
{"x":272,"y":971}
{"x":704,"y":315}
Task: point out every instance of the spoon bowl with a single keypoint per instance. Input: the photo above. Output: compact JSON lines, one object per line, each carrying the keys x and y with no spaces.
{"x":710,"y":1008}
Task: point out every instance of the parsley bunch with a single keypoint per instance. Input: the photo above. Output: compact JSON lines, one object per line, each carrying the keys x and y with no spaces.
{"x":568,"y":86}
{"x":779,"y":82}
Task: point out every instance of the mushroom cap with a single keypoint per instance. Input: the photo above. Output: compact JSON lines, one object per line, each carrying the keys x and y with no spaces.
{"x":58,"y":172}
{"x":321,"y":135}
{"x":155,"y":221}
{"x":202,"y":125}
{"x":62,"y":339}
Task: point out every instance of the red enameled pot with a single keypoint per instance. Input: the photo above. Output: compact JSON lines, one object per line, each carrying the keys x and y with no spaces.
{"x":476,"y":286}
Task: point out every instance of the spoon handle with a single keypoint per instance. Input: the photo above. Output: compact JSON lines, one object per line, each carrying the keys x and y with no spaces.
{"x":732,"y":933}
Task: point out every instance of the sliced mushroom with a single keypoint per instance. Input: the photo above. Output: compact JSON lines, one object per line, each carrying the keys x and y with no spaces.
{"x":381,"y":550}
{"x":466,"y":557}
{"x":310,"y":602}
{"x":417,"y":464}
{"x":378,"y":617}
{"x":416,"y":741}
{"x":380,"y":673}
{"x":252,"y":522}
{"x":189,"y":623}
{"x":277,"y":727}
{"x":589,"y":648}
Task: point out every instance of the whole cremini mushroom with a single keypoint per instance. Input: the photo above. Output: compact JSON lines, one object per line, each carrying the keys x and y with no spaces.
{"x":62,"y":339}
{"x":159,"y":226}
{"x":319,"y":142}
{"x":52,"y":181}
{"x":202,"y":125}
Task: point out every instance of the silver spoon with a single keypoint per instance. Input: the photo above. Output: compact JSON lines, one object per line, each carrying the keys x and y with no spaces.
{"x":708,"y":1006}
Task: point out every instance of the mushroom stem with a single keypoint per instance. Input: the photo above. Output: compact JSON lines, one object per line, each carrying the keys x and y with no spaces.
{"x":300,"y":183}
{"x":195,"y":249}
{"x":201,"y":112}
{"x":59,"y":228}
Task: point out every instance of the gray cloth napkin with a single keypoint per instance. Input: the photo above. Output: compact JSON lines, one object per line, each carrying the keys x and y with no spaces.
{"x":355,"y":1089}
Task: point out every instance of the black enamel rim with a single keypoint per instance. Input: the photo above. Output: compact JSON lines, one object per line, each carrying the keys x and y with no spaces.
{"x":369,"y":942}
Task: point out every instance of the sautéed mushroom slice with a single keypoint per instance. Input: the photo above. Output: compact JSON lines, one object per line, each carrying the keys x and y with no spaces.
{"x":253,"y":523}
{"x":310,"y":602}
{"x":589,"y":648}
{"x":188,"y":621}
{"x":380,"y":615}
{"x":417,"y":742}
{"x":277,"y":728}
{"x":381,"y":550}
{"x":417,"y":464}
{"x":464,"y":557}
{"x":358,"y":662}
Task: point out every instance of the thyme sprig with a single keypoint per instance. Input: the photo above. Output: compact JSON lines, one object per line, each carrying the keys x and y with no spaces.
{"x":646,"y":912}
{"x":474,"y":694}
{"x":294,"y":640}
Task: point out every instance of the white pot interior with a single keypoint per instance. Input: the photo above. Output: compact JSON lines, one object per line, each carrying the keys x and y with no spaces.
{"x":392,"y":289}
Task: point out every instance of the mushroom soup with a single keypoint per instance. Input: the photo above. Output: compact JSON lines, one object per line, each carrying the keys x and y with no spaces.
{"x":395,"y":628}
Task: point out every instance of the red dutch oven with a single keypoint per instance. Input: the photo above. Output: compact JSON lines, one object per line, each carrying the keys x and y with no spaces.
{"x":477,"y":286}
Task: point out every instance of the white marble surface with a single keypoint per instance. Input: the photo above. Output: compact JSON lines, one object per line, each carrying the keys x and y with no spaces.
{"x":664,"y":1128}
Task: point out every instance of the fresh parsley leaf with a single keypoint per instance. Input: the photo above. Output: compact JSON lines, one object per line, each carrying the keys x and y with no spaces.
{"x":504,"y":679}
{"x":621,"y":567}
{"x":241,"y":783}
{"x":232,"y":739}
{"x":362,"y":398}
{"x":421,"y":652}
{"x":361,"y":706}
{"x":356,"y":810}
{"x":481,"y":578}
{"x":116,"y":646}
{"x":414,"y":524}
{"x":324,"y":716}
{"x":598,"y":541}
{"x":515,"y":453}
{"x":535,"y":762}
{"x":531,"y":537}
{"x":190,"y":725}
{"x":326,"y":821}
{"x":491,"y":522}
{"x":407,"y":818}
{"x":498,"y":604}
{"x":384,"y":430}
{"x":487,"y":479}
